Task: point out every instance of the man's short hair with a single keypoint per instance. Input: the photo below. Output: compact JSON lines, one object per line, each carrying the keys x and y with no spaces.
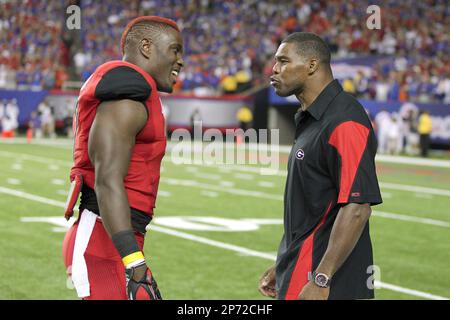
{"x":143,"y":26}
{"x":310,"y":45}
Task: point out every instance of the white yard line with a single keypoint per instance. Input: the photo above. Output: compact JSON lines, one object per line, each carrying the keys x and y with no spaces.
{"x":403,"y":187}
{"x":241,"y":192}
{"x":403,"y":217}
{"x":44,"y":160}
{"x":28,"y":196}
{"x":60,"y":143}
{"x":14,"y":181}
{"x":219,"y":244}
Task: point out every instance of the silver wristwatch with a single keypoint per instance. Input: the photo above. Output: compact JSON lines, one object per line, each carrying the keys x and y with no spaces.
{"x":320,"y":279}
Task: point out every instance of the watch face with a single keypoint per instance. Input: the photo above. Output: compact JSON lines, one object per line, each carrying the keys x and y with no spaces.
{"x":321,"y":280}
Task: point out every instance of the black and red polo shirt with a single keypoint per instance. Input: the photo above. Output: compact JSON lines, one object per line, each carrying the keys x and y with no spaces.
{"x":331,"y":164}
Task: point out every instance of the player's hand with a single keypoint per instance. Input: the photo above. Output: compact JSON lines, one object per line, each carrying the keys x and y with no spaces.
{"x":311,"y":291}
{"x":267,"y":283}
{"x":141,"y":285}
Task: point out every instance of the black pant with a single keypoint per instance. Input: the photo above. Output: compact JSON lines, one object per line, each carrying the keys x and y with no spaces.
{"x":424,"y":144}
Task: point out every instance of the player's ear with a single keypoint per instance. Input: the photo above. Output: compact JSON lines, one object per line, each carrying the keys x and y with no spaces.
{"x":313,"y":66}
{"x":145,"y":47}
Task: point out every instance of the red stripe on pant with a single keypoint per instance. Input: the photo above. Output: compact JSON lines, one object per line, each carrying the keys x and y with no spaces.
{"x":106,"y":271}
{"x":299,"y":277}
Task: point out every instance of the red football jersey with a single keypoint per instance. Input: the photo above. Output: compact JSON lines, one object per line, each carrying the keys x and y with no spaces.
{"x":117,"y":80}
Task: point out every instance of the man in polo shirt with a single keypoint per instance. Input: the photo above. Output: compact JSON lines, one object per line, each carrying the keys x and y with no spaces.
{"x":326,"y":251}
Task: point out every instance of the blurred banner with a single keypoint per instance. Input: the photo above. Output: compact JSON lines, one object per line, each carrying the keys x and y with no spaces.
{"x":440,"y":113}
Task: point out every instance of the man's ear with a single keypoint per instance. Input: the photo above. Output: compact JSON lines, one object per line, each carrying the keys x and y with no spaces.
{"x":145,"y":47}
{"x":313,"y":66}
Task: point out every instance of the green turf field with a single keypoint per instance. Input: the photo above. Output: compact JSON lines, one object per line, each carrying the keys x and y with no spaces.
{"x":222,"y":255}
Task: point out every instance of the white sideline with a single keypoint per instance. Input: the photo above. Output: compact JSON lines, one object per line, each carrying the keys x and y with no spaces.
{"x":219,"y":244}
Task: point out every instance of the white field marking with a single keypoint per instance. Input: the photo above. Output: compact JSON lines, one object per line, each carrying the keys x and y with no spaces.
{"x":403,"y":217}
{"x":68,"y":144}
{"x":266,"y":184}
{"x":379,"y":157}
{"x":58,"y":182}
{"x":413,"y":161}
{"x":192,"y":169}
{"x":164,"y":193}
{"x":244,"y":176}
{"x":61,"y":143}
{"x":61,"y":222}
{"x":206,"y":223}
{"x":256,"y":170}
{"x":62,"y":192}
{"x":53,"y":167}
{"x":241,"y":192}
{"x":385,"y":185}
{"x":14,"y":181}
{"x":265,"y":221}
{"x":44,"y":160}
{"x":32,"y":197}
{"x":227,"y":184}
{"x":386,"y":195}
{"x":208,"y":176}
{"x":423,"y":195}
{"x":214,"y":243}
{"x":210,"y":194}
{"x":221,"y":244}
{"x":411,"y":292}
{"x":416,"y":189}
{"x":17,"y":166}
{"x":162,"y":169}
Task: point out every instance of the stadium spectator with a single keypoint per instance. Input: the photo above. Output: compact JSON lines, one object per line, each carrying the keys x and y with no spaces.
{"x":410,"y":132}
{"x":196,"y":124}
{"x":47,"y":119}
{"x":424,"y":128}
{"x":383,"y":124}
{"x":35,"y":125}
{"x":394,"y":136}
{"x":245,"y":117}
{"x":10,"y":118}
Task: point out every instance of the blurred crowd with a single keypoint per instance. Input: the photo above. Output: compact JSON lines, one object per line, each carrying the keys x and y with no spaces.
{"x":33,"y":54}
{"x":229,"y":45}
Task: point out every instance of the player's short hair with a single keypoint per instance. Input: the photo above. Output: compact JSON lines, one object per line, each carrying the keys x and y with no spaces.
{"x":150,"y":25}
{"x":310,"y":45}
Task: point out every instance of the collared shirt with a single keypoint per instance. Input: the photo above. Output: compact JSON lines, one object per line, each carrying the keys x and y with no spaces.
{"x":331,"y":164}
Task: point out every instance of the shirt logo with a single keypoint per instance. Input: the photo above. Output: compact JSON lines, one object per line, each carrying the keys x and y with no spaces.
{"x":300,"y":154}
